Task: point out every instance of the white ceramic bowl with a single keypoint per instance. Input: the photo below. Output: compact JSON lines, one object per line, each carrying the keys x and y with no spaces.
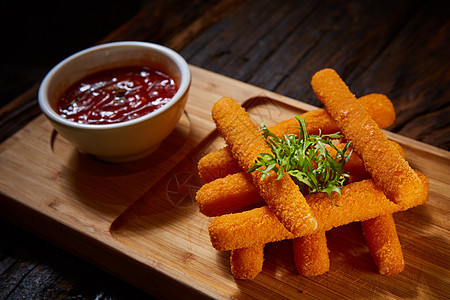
{"x":125,"y":141}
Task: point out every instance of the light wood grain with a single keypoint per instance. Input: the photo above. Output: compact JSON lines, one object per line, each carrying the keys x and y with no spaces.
{"x":158,"y":234}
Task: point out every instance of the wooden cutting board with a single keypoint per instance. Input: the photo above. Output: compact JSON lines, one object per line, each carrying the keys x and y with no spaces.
{"x":140,"y":221}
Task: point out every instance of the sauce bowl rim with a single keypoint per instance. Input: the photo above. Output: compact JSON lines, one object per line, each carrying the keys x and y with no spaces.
{"x":185,"y":80}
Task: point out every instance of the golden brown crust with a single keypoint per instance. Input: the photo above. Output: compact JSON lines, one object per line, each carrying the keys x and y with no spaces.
{"x":379,"y":108}
{"x":247,"y":263}
{"x":310,"y":251}
{"x":246,"y":143}
{"x":387,"y":167}
{"x":358,"y":201}
{"x":220,"y":163}
{"x":217,"y":164}
{"x":383,"y":243}
{"x":226,"y":195}
{"x":311,"y":254}
{"x":236,"y":191}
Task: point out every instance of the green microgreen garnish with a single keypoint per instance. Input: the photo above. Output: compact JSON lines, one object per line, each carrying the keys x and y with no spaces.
{"x":305,"y":158}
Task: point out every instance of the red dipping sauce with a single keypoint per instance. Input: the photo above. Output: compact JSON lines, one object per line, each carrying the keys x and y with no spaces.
{"x":116,"y":95}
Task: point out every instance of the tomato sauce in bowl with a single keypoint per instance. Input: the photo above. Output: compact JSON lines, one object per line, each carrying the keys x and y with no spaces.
{"x":116,"y":95}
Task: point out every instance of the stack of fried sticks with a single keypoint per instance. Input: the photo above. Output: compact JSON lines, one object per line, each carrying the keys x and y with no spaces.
{"x":381,"y":182}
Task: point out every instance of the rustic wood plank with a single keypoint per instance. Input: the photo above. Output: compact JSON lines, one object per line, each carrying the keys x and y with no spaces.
{"x":269,"y":34}
{"x":348,"y":36}
{"x":173,"y":23}
{"x":343,"y":38}
{"x":33,"y":269}
{"x":417,"y":83}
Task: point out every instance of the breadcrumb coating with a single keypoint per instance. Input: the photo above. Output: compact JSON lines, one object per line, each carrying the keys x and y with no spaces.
{"x":220,"y":163}
{"x":217,"y":164}
{"x":383,"y":243}
{"x":227,"y":195}
{"x":358,"y":201}
{"x":236,"y":191}
{"x":380,"y":109}
{"x":247,"y":263}
{"x":311,"y":254}
{"x":387,"y":167}
{"x":246,"y":143}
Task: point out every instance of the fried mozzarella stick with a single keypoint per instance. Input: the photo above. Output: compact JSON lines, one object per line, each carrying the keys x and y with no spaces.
{"x":381,"y":235}
{"x":359,"y":201}
{"x":236,"y":191}
{"x":378,"y":106}
{"x":246,"y":263}
{"x":220,"y":163}
{"x":227,"y":195}
{"x":388,"y":168}
{"x":311,"y":254}
{"x":246,"y":142}
{"x":217,"y":164}
{"x":384,"y":245}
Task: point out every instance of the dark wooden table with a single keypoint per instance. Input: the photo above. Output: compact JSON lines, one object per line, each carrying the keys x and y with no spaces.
{"x":398,"y":48}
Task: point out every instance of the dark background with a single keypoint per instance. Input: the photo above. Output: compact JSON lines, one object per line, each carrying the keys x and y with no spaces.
{"x":39,"y":34}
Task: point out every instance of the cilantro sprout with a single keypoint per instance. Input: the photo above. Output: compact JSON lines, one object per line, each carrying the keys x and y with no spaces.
{"x":305,"y":158}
